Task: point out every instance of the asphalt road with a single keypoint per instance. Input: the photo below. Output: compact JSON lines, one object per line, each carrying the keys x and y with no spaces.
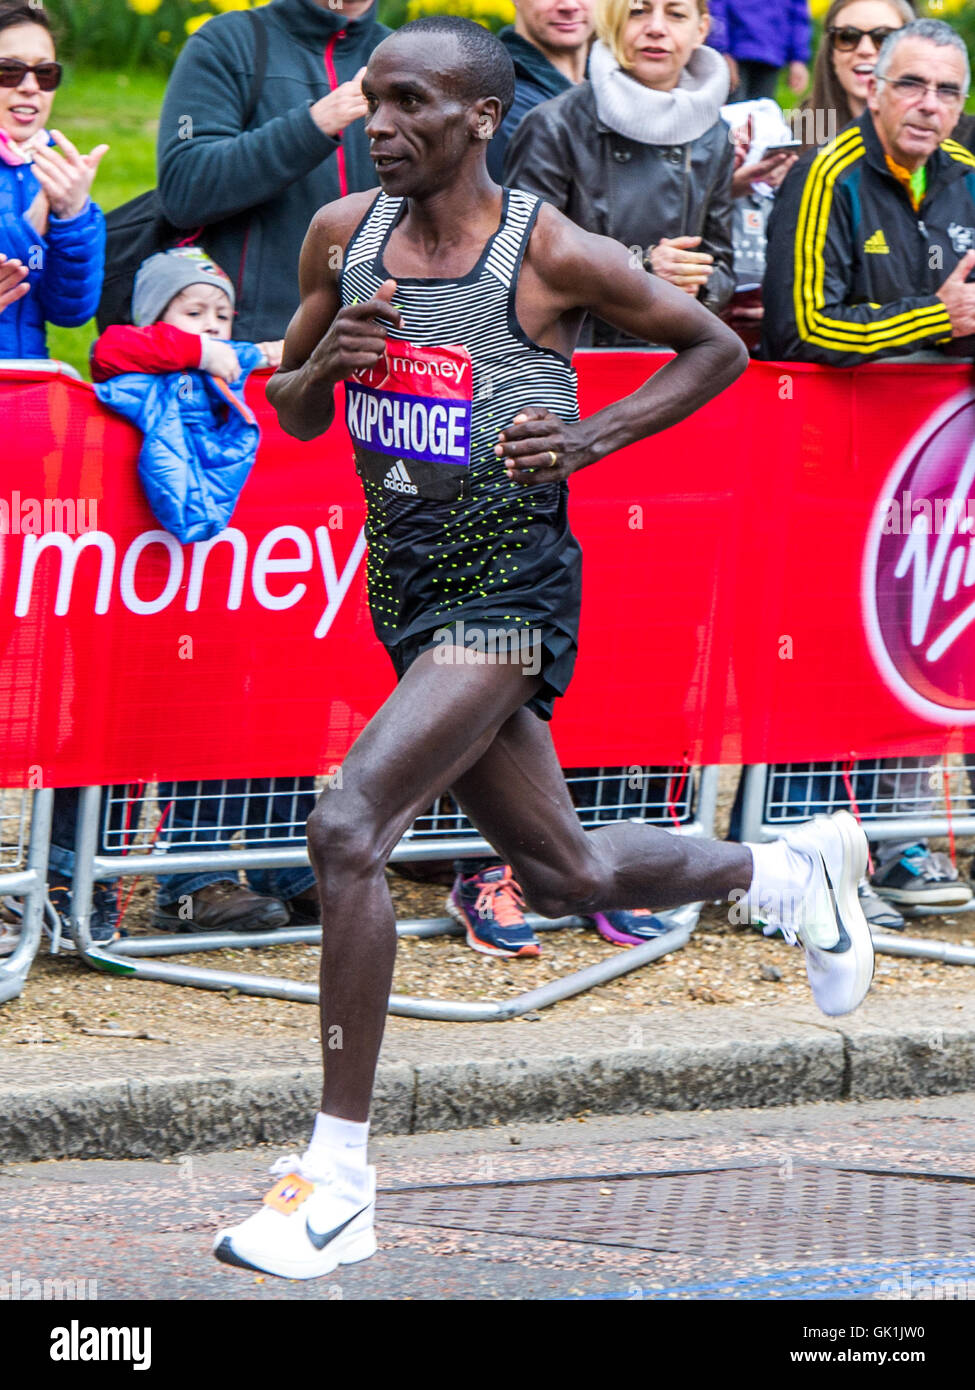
{"x":832,"y":1201}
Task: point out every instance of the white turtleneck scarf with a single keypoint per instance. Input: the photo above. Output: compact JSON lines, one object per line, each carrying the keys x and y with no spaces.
{"x":659,"y":118}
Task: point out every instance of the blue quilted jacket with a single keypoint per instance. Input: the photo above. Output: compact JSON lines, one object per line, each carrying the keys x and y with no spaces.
{"x":66,"y":266}
{"x":200,"y":441}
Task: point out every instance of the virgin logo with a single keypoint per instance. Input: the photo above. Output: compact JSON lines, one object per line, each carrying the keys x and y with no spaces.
{"x":375,"y":376}
{"x":919,"y":570}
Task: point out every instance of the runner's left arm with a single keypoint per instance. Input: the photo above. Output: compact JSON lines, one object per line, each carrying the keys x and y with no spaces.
{"x":579,"y":270}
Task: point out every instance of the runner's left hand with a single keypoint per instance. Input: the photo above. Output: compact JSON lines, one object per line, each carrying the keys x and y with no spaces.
{"x":528,"y":443}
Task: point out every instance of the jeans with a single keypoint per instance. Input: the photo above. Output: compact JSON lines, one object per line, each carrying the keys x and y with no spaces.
{"x":201,"y":814}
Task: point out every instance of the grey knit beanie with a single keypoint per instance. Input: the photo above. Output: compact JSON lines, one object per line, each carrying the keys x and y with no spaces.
{"x":161,"y":278}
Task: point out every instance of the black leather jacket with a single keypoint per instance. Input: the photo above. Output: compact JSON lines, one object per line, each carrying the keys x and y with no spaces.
{"x":625,"y":189}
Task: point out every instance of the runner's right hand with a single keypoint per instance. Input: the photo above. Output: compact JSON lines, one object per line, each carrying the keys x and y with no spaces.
{"x":356,"y":337}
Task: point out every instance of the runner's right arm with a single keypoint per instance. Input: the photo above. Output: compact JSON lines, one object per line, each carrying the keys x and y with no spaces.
{"x":327,"y":342}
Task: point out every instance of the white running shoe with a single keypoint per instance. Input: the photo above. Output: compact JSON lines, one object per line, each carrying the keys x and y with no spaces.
{"x":307,"y":1225}
{"x":828,"y":921}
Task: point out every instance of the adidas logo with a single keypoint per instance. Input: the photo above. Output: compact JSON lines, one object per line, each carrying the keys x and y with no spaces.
{"x":398,"y":480}
{"x":877,"y":244}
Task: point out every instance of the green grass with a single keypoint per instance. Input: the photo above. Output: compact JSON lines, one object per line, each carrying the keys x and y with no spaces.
{"x":121,"y":110}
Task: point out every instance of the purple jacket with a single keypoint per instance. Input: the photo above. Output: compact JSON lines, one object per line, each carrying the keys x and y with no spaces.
{"x":763,"y":31}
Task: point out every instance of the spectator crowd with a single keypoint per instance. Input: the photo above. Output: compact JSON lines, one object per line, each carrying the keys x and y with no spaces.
{"x":841,"y":236}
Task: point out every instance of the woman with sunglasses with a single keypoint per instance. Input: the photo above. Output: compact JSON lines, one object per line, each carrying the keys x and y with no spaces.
{"x":48,"y":222}
{"x":853,"y":31}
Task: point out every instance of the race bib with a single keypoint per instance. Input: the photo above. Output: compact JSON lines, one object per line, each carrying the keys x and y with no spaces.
{"x":409,"y":416}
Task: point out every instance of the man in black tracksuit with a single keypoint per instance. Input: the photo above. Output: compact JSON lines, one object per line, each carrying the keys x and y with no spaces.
{"x":870,"y":243}
{"x":861,"y":243}
{"x":305,"y":146}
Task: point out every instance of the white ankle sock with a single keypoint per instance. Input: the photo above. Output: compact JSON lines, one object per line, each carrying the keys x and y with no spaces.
{"x":338,"y":1143}
{"x":781,"y":878}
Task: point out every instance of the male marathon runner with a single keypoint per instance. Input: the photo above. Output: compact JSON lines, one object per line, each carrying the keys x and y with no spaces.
{"x":461,"y":402}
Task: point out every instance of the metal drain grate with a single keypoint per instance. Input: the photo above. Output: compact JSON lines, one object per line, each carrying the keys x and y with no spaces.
{"x":766,"y":1212}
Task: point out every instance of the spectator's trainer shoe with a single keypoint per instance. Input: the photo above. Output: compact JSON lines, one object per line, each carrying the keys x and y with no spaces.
{"x":489,"y":904}
{"x":877,"y":910}
{"x":307,"y":1225}
{"x":918,"y":878}
{"x":629,"y":928}
{"x":828,"y":920}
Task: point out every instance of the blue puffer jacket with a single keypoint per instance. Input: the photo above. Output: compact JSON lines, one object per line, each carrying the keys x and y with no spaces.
{"x":66,"y":266}
{"x":201,"y":439}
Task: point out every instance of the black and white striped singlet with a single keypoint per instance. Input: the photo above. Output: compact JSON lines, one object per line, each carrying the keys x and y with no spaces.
{"x":450,"y":536}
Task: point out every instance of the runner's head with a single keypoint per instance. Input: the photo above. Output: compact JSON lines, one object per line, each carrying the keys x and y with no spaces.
{"x":437,"y":91}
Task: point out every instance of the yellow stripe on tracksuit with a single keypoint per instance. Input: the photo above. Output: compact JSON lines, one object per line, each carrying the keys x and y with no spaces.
{"x":809,"y":295}
{"x":952,"y":147}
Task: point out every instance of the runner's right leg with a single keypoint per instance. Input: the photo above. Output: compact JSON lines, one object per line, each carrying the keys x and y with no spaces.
{"x":439,"y":719}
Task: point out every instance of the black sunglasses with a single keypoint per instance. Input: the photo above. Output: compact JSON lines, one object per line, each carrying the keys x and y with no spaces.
{"x":848,"y":37}
{"x":13,"y":72}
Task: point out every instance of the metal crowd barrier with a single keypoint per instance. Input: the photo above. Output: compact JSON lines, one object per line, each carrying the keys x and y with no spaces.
{"x":900,"y":799}
{"x":25,"y":831}
{"x":211,"y":837}
{"x":25,"y":816}
{"x":48,"y":365}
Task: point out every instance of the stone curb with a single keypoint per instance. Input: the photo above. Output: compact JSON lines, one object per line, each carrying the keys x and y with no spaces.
{"x":723,"y":1059}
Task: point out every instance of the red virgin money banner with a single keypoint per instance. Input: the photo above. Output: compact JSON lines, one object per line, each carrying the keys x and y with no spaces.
{"x":789,"y":574}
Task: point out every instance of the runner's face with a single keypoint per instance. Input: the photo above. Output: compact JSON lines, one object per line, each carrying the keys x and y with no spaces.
{"x":420,"y":130}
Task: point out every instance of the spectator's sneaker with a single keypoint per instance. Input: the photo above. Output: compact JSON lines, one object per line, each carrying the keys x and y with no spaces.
{"x":222,"y":906}
{"x":308,"y":1225}
{"x":490,"y":906}
{"x":828,"y":921}
{"x":878,"y":912}
{"x":634,"y":928}
{"x":918,"y":878}
{"x":103,"y":925}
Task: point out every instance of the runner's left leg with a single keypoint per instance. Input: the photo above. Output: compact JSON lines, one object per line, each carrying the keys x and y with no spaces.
{"x":517,"y":797}
{"x":805,"y":882}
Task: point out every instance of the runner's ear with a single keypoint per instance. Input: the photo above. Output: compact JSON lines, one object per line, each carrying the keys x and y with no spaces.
{"x":487,"y":118}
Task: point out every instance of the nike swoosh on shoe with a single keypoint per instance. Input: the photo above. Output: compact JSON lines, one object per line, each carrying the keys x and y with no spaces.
{"x":320,"y":1240}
